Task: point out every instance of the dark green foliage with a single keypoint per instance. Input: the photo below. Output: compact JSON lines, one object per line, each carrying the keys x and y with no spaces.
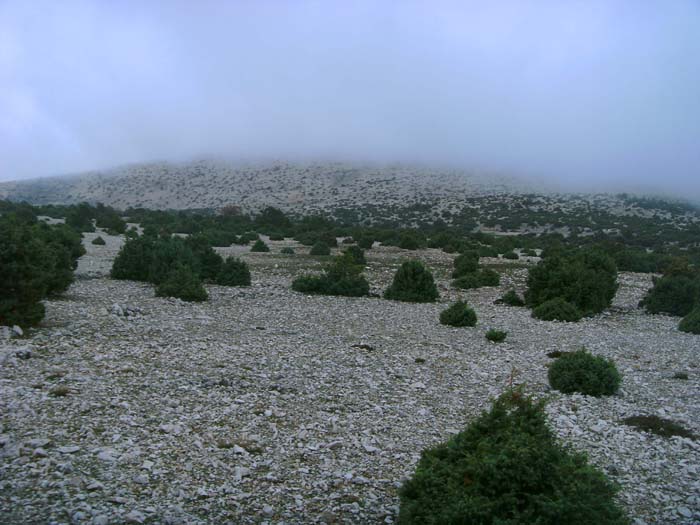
{"x":341,"y":277}
{"x":511,"y":255}
{"x":658,"y":426}
{"x":273,"y":218}
{"x":348,"y":240}
{"x":183,"y":283}
{"x":585,"y":278}
{"x":276,"y":237}
{"x":510,"y":298}
{"x":459,"y":314}
{"x":208,"y":261}
{"x":496,"y":336}
{"x":557,"y":309}
{"x":167,"y":252}
{"x":483,"y":277}
{"x":506,"y":468}
{"x":356,"y":254}
{"x":287,"y":250}
{"x":413,"y":283}
{"x":320,"y":249}
{"x":133,"y":260}
{"x":36,"y":260}
{"x":529,"y":253}
{"x":674,"y":294}
{"x":259,"y":246}
{"x":487,"y":251}
{"x":585,"y":373}
{"x":465,"y":263}
{"x":233,"y":272}
{"x":99,"y":241}
{"x":365,"y":242}
{"x":410,"y":240}
{"x":691,"y":322}
{"x":109,"y":219}
{"x":80,"y":217}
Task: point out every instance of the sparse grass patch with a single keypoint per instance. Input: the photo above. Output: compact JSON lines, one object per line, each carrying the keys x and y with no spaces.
{"x":658,"y":426}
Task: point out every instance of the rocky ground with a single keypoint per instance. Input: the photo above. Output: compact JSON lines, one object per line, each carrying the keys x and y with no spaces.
{"x":263,"y":405}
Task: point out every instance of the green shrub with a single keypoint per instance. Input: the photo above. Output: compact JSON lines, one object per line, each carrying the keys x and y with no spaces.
{"x":691,"y":322}
{"x":365,"y":242}
{"x":497,"y":336}
{"x":167,"y":252}
{"x":276,"y":237}
{"x":99,"y":241}
{"x":510,"y":298}
{"x":348,"y":240}
{"x":133,"y":260}
{"x":259,"y":246}
{"x":511,"y":255}
{"x":674,"y":294}
{"x":320,"y":248}
{"x":414,"y":283}
{"x":287,"y":250}
{"x":465,"y":263}
{"x":341,"y":277}
{"x":459,"y":314}
{"x":487,"y":251}
{"x":356,"y":254}
{"x":233,"y":272}
{"x":507,"y":467}
{"x":585,"y":278}
{"x":483,"y":277}
{"x":585,"y":373}
{"x":209,"y":262}
{"x":410,"y":240}
{"x":557,"y":309}
{"x":183,"y":283}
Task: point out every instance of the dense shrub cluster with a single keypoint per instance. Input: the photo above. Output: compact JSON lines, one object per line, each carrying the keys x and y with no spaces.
{"x":320,"y":249}
{"x":413,"y":283}
{"x":459,"y":315}
{"x":585,"y":279}
{"x":585,"y":373}
{"x":36,"y":260}
{"x":356,"y":254}
{"x":341,"y":277}
{"x":677,"y":292}
{"x":183,"y":283}
{"x":233,"y":272}
{"x":507,"y":468}
{"x":466,"y":273}
{"x":259,"y":246}
{"x":691,"y":322}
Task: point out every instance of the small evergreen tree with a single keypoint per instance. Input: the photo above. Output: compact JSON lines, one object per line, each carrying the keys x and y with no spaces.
{"x":465,"y":263}
{"x":260,"y":246}
{"x":510,"y":298}
{"x":413,"y":282}
{"x":458,"y":315}
{"x":496,"y":336}
{"x":691,"y":322}
{"x":557,"y":309}
{"x":99,"y":241}
{"x":582,"y":372}
{"x":356,"y":254}
{"x":320,"y":249}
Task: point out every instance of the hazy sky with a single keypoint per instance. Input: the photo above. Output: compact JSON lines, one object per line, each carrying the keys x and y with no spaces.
{"x":584,"y":92}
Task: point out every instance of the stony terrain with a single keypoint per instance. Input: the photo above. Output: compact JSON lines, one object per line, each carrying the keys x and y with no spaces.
{"x":263,"y":405}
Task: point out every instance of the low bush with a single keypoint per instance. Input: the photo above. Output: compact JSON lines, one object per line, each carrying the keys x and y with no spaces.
{"x":585,"y":373}
{"x":341,"y":277}
{"x":356,"y":255}
{"x":287,"y":250}
{"x":183,"y":283}
{"x":496,"y":336}
{"x":510,"y":298}
{"x":99,"y":241}
{"x":459,"y":315}
{"x":674,"y":294}
{"x":691,"y":322}
{"x":365,"y":242}
{"x":233,"y":272}
{"x":478,"y":279}
{"x":276,"y":237}
{"x":507,"y":467}
{"x":557,"y":309}
{"x":320,"y":249}
{"x":259,"y":246}
{"x":414,"y":283}
{"x":511,"y":255}
{"x":465,"y":263}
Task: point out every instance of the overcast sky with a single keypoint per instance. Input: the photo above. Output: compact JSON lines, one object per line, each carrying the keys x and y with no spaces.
{"x":588,"y":93}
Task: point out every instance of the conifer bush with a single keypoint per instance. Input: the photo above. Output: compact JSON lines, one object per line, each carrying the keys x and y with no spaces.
{"x":507,"y":467}
{"x":365,"y":242}
{"x":99,"y":241}
{"x":674,"y":294}
{"x":691,"y":322}
{"x":356,"y":254}
{"x":482,"y":277}
{"x":414,"y":283}
{"x":465,"y":263}
{"x":183,"y":283}
{"x":587,"y":279}
{"x":287,"y":251}
{"x":458,"y":315}
{"x":341,"y":277}
{"x":510,"y":298}
{"x":496,"y":336}
{"x":584,"y":373}
{"x":511,"y":255}
{"x":557,"y":309}
{"x":233,"y":272}
{"x":320,"y":249}
{"x":259,"y":246}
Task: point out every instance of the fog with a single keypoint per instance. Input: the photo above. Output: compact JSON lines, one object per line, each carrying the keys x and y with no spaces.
{"x":590,"y":95}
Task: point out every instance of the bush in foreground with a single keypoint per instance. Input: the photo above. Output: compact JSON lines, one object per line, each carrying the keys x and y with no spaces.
{"x":674,"y":294}
{"x":691,"y":322}
{"x":413,"y":283}
{"x":496,"y":336}
{"x":182,"y":283}
{"x":557,"y":309}
{"x":585,"y":373}
{"x":507,"y":468}
{"x":510,"y":298}
{"x":234,"y":272}
{"x":459,"y":314}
